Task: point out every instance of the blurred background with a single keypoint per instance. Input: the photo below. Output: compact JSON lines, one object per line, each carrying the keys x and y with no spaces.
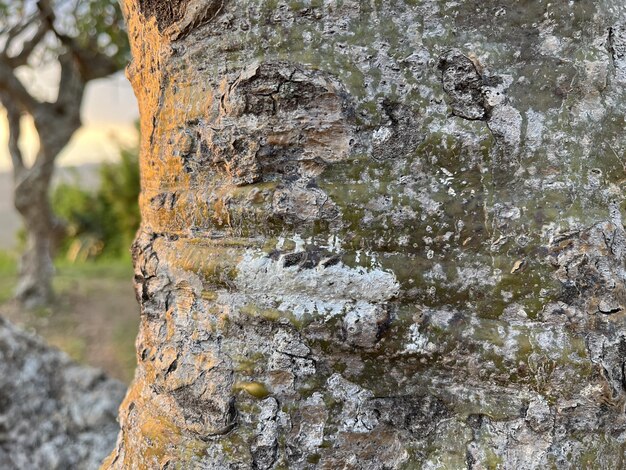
{"x":93,"y":314}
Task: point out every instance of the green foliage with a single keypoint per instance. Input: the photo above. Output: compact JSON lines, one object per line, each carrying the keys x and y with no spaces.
{"x":8,"y":275}
{"x":99,"y":25}
{"x":119,"y":194}
{"x":104,"y":222}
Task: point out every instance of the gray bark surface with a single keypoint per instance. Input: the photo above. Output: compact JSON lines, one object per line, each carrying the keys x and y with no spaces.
{"x":379,"y":235}
{"x":54,"y":413}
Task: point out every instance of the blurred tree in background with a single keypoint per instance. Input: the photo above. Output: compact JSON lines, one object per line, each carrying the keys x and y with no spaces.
{"x":104,"y":222}
{"x":83,"y":40}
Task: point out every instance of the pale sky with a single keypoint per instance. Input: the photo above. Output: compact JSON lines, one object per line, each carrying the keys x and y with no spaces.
{"x":108,"y":116}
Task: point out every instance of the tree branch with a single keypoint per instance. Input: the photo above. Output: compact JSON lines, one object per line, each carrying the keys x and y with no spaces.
{"x":13,"y":117}
{"x":27,"y":48}
{"x":16,"y":91}
{"x":13,"y":32}
{"x":71,"y":92}
{"x":93,"y":64}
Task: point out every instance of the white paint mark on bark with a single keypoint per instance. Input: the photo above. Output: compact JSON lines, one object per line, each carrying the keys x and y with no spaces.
{"x":324,"y":291}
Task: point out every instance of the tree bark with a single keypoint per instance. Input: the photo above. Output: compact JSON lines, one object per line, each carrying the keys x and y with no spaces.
{"x":55,"y":123}
{"x":379,"y":235}
{"x":43,"y":233}
{"x":31,"y":198}
{"x":31,"y":201}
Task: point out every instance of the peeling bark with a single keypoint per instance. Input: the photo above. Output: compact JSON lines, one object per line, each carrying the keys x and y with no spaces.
{"x":379,"y":236}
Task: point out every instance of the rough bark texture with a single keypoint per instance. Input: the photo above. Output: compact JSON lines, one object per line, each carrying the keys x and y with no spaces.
{"x":379,"y":235}
{"x":54,"y":414}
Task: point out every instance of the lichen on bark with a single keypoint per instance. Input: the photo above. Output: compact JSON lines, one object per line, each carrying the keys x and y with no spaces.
{"x":380,"y":235}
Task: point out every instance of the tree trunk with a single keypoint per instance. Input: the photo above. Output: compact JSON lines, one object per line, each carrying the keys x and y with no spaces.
{"x":55,"y":124}
{"x":379,"y":235}
{"x":43,"y":233}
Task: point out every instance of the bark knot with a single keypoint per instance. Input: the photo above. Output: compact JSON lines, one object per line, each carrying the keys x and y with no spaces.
{"x":177,"y":18}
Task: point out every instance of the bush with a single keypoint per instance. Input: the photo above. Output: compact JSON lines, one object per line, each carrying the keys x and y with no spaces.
{"x":103,"y":222}
{"x":119,"y":197}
